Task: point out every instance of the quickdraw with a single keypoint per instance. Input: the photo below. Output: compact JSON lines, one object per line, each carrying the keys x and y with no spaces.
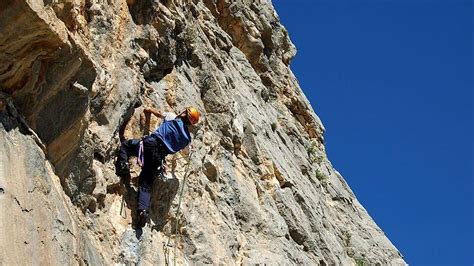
{"x":141,"y":154}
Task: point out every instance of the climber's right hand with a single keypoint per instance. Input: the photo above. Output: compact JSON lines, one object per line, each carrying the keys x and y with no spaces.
{"x":148,"y":110}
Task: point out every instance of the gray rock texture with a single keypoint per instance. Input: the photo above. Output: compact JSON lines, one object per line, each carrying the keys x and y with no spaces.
{"x":74,"y":80}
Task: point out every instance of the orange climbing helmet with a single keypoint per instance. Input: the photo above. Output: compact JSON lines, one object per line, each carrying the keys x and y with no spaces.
{"x":192,"y":114}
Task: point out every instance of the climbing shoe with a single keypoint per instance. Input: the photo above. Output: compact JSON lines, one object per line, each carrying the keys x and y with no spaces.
{"x":122,"y":169}
{"x":142,"y":218}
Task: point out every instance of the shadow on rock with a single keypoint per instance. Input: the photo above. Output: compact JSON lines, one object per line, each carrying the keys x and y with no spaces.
{"x":164,"y":193}
{"x":129,"y":197}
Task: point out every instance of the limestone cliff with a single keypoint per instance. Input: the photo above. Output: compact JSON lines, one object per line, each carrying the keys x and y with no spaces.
{"x":74,"y":79}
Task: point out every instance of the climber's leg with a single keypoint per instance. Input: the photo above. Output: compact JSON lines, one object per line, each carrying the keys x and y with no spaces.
{"x":145,"y":184}
{"x":147,"y":175}
{"x":127,"y":148}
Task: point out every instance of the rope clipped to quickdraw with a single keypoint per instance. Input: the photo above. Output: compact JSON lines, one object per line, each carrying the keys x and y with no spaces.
{"x":123,"y":212}
{"x":177,"y":215}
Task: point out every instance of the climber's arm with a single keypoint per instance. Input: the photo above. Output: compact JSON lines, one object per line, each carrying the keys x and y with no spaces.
{"x":154,"y":111}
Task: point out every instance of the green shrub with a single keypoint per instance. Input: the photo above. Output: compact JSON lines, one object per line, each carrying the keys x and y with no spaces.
{"x":360,"y":262}
{"x":347,"y":238}
{"x":190,"y":34}
{"x":313,"y":153}
{"x":321,"y":176}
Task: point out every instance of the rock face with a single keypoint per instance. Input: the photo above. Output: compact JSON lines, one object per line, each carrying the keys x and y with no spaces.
{"x":74,"y":79}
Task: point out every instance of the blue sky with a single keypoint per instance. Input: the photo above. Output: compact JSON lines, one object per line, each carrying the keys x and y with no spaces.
{"x":392,"y":83}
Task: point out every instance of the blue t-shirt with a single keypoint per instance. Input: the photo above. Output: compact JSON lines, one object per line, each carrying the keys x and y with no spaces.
{"x":174,"y":134}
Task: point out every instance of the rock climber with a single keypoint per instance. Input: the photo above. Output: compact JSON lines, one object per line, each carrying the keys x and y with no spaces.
{"x":170,"y":137}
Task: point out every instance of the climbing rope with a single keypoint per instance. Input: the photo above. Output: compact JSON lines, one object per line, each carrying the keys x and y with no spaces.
{"x":177,"y":215}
